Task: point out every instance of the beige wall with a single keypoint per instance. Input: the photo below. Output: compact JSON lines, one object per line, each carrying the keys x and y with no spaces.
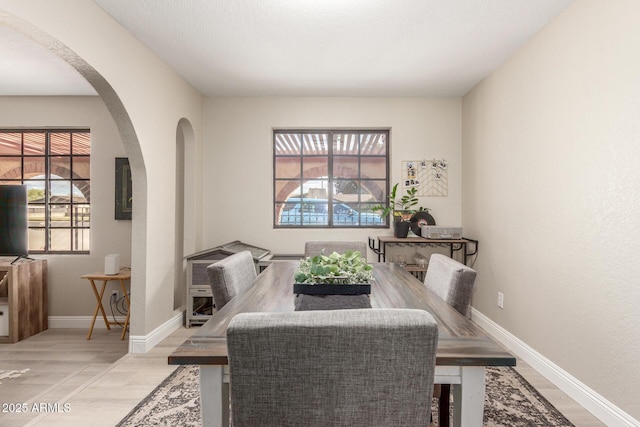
{"x":551,"y":145}
{"x":147,"y":100}
{"x":238,"y":154}
{"x":68,"y":294}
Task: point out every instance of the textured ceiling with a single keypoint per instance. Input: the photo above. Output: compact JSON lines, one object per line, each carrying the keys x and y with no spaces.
{"x":316,"y":47}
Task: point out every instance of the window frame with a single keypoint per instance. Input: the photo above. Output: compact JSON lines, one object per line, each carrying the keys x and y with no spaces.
{"x":49,"y":157}
{"x":330,"y":176}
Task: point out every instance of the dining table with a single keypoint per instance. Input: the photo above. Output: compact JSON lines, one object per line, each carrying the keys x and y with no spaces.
{"x":463,"y":352}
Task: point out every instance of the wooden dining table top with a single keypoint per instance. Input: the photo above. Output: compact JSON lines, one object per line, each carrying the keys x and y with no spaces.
{"x":461,"y":342}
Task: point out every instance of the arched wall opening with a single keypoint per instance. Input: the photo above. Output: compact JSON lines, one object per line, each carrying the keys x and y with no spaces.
{"x":132,"y":147}
{"x":185,"y":231}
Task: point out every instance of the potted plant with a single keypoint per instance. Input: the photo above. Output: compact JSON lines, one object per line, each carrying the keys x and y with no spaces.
{"x":401,"y":208}
{"x":336,"y":274}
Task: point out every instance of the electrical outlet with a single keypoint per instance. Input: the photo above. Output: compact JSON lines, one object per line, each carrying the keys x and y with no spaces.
{"x":500,"y":300}
{"x":115,"y":294}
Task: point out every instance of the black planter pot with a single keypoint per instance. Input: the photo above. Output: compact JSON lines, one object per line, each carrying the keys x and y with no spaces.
{"x":401,"y":228}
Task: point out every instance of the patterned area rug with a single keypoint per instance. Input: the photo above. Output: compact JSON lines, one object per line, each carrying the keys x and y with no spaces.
{"x":510,"y":401}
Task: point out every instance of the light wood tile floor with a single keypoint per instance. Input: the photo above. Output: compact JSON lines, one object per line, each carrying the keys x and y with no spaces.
{"x":100,"y":382}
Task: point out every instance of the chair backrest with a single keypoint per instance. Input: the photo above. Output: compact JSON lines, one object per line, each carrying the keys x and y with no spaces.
{"x":230,"y":276}
{"x":330,"y":246}
{"x":368,"y":367}
{"x":450,"y":280}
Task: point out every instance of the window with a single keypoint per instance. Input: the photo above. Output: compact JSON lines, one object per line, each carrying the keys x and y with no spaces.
{"x":330,"y":178}
{"x":55,"y":166}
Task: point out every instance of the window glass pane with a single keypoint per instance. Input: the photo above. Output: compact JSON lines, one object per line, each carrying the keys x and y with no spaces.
{"x":315,"y":167}
{"x":288,"y":144}
{"x":36,"y":238}
{"x":315,"y":189}
{"x":373,"y":192}
{"x":59,"y":215}
{"x":315,"y":144}
{"x":373,"y":167}
{"x":373,"y":144}
{"x":345,"y":167}
{"x":286,"y":189}
{"x":10,"y":168}
{"x":34,"y":167}
{"x":288,"y":213}
{"x":80,"y":239}
{"x":10,"y":143}
{"x":80,"y":215}
{"x":302,"y":211}
{"x":60,"y":239}
{"x":34,"y":143}
{"x":80,"y":191}
{"x":60,"y":167}
{"x":35,"y":215}
{"x":354,"y":214}
{"x":60,"y":192}
{"x":81,"y":143}
{"x":288,"y":167}
{"x":345,"y":143}
{"x":35,"y":191}
{"x":60,"y":143}
{"x":346,"y":189}
{"x":81,"y":167}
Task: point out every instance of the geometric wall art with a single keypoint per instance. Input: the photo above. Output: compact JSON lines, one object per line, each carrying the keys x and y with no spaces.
{"x":429,"y":177}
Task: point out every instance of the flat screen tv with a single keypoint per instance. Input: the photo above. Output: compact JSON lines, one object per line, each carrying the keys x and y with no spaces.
{"x":13,"y":221}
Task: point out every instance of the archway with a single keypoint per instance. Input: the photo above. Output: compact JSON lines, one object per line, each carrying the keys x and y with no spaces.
{"x":130,"y":141}
{"x":184,"y":207}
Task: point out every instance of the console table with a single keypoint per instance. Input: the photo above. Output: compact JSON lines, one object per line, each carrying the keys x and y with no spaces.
{"x":467,"y":247}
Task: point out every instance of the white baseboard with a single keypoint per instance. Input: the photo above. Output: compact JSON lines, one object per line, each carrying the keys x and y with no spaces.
{"x":600,"y":407}
{"x":80,"y":322}
{"x":137,"y":343}
{"x":144,"y":343}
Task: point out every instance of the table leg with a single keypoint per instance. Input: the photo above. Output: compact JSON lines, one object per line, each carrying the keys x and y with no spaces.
{"x":99,"y":307}
{"x":126,"y":298}
{"x":468,"y":397}
{"x":213,"y":405}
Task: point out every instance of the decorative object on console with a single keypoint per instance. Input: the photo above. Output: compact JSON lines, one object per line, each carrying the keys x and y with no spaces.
{"x":439,"y":232}
{"x":420,"y":218}
{"x":402,"y":210}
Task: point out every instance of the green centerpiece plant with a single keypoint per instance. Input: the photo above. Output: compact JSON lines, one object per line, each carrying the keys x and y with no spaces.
{"x":350,"y":272}
{"x":336,"y":268}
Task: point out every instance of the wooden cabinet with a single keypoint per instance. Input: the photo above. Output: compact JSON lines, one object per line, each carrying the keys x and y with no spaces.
{"x":24,"y":294}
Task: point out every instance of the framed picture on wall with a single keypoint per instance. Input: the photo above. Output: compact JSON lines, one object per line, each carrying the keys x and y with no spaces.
{"x":124,"y":197}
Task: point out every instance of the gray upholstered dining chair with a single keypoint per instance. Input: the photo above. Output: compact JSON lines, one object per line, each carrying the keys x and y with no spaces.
{"x":356,"y":368}
{"x":330,"y":246}
{"x":230,"y":276}
{"x":453,"y":282}
{"x":450,"y":280}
